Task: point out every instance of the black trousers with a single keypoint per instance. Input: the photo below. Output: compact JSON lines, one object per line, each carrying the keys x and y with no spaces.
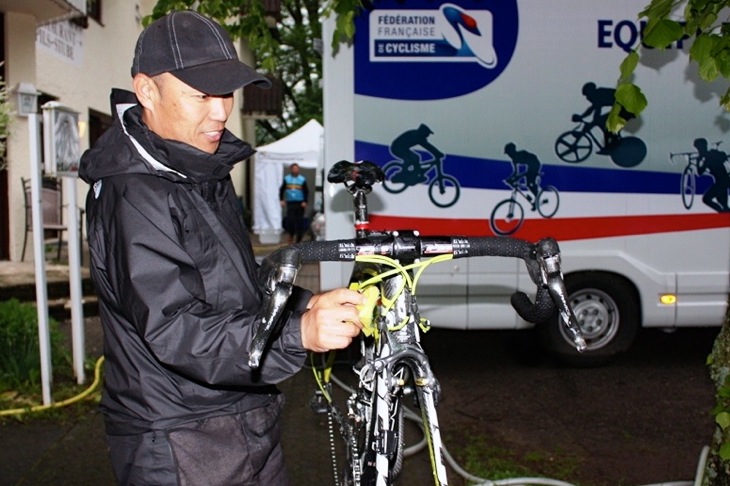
{"x":230,"y":450}
{"x":294,"y":220}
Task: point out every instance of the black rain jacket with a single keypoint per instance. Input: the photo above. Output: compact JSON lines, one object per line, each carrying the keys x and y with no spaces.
{"x":176,"y":278}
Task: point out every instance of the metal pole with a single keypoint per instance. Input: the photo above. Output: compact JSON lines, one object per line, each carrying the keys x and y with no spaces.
{"x":39,"y":258}
{"x":74,"y":275}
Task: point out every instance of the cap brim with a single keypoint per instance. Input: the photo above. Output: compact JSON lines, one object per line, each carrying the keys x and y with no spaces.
{"x":221,"y":77}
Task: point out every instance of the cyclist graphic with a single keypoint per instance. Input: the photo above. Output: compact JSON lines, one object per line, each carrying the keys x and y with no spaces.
{"x":713,"y":161}
{"x":531,"y":165}
{"x":524,"y":181}
{"x":403,"y":146}
{"x":408,"y":169}
{"x":591,"y":134}
{"x":601,"y":100}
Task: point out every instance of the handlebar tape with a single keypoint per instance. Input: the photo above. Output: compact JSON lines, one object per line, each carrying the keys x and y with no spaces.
{"x":499,"y":246}
{"x":327,"y":251}
{"x":346,"y":250}
{"x":540,"y":311}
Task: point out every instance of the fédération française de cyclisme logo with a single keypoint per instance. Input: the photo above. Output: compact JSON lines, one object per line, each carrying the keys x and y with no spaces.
{"x":418,"y":53}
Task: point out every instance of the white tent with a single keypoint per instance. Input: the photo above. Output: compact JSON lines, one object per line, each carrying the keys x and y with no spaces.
{"x":304,"y":147}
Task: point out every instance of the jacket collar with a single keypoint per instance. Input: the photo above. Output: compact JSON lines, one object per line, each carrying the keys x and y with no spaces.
{"x":185,"y":159}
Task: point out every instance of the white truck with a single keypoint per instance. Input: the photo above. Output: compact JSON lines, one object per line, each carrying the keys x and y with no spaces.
{"x":488,"y":118}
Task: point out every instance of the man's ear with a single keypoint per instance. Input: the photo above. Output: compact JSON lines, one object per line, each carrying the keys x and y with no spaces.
{"x":146,"y":90}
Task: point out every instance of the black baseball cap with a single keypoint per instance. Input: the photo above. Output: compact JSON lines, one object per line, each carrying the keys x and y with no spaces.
{"x":197,"y":51}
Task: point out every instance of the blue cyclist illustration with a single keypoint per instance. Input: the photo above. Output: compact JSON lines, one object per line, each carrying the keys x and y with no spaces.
{"x":713,"y":161}
{"x":522,"y":159}
{"x":411,"y":169}
{"x":591,"y":133}
{"x":524,"y":181}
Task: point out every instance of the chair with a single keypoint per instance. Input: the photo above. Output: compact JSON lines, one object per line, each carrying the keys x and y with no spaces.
{"x":52,"y":207}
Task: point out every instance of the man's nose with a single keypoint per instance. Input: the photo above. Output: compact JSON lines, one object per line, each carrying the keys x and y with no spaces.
{"x":219,"y":108}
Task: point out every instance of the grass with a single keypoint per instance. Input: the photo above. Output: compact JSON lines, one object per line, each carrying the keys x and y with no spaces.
{"x":481,"y":456}
{"x":20,"y":374}
{"x":64,"y":387}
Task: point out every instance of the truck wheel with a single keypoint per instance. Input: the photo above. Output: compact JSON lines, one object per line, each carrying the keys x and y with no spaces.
{"x":607,"y":309}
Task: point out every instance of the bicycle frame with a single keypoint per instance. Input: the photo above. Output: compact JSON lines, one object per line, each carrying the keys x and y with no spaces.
{"x":394,"y":365}
{"x":391,"y":345}
{"x":520,"y":187}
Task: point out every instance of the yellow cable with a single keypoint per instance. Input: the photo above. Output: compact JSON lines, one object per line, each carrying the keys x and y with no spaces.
{"x":323,"y":377}
{"x":436,"y":259}
{"x":63,"y":403}
{"x":403,"y":270}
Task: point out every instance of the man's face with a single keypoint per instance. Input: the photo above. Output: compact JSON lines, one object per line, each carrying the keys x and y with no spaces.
{"x":184,"y":114}
{"x":294,"y":170}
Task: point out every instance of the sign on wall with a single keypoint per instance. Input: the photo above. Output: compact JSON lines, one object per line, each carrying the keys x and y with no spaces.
{"x":62,"y":149}
{"x":64,"y":40}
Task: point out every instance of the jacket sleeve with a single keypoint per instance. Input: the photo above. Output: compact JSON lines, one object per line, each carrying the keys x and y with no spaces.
{"x":160,"y":292}
{"x":282,"y":189}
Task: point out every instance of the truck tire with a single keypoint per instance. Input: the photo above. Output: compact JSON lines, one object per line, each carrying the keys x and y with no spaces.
{"x":607,"y":309}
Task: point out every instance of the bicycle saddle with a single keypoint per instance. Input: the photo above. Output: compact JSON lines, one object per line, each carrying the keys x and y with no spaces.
{"x":362,"y":175}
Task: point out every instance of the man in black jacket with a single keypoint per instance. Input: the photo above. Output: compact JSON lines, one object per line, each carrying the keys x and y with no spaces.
{"x":176,"y":276}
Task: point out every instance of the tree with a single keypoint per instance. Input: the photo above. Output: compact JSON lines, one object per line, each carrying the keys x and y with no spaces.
{"x":668,"y":21}
{"x":705,"y":23}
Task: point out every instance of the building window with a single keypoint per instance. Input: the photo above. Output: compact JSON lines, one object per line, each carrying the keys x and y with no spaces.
{"x":93,"y":9}
{"x":263,"y":103}
{"x":98,"y":123}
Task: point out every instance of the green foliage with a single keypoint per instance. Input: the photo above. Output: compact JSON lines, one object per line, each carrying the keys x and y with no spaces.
{"x":719,"y":365}
{"x":19,"y":351}
{"x":703,"y":21}
{"x":345,"y":12}
{"x":5,"y":121}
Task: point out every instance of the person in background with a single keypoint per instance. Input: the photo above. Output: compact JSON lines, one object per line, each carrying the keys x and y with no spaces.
{"x":176,"y":277}
{"x":293,"y":196}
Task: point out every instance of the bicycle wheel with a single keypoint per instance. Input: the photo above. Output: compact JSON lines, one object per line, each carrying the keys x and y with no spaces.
{"x":628,"y":152}
{"x":390,"y":170}
{"x":432,"y":434}
{"x":573,"y":146}
{"x":507,"y":217}
{"x":445,"y":194}
{"x":689,"y":186}
{"x":548,"y":201}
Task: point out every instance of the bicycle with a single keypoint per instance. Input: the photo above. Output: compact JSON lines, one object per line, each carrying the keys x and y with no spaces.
{"x":688,"y":181}
{"x":508,"y":215}
{"x":577,"y":145}
{"x":392,"y":362}
{"x":443,"y":189}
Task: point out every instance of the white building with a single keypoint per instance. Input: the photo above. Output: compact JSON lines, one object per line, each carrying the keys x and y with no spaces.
{"x":75,"y":62}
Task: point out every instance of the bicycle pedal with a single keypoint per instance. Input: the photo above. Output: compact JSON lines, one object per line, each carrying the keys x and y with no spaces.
{"x":318,"y":403}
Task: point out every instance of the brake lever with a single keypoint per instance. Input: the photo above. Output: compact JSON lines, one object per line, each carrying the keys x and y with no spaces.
{"x":277,"y":282}
{"x":552,"y":278}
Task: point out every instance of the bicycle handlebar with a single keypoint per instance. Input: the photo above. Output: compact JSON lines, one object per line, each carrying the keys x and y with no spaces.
{"x":542,"y":260}
{"x":276,"y":277}
{"x":689,"y":156}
